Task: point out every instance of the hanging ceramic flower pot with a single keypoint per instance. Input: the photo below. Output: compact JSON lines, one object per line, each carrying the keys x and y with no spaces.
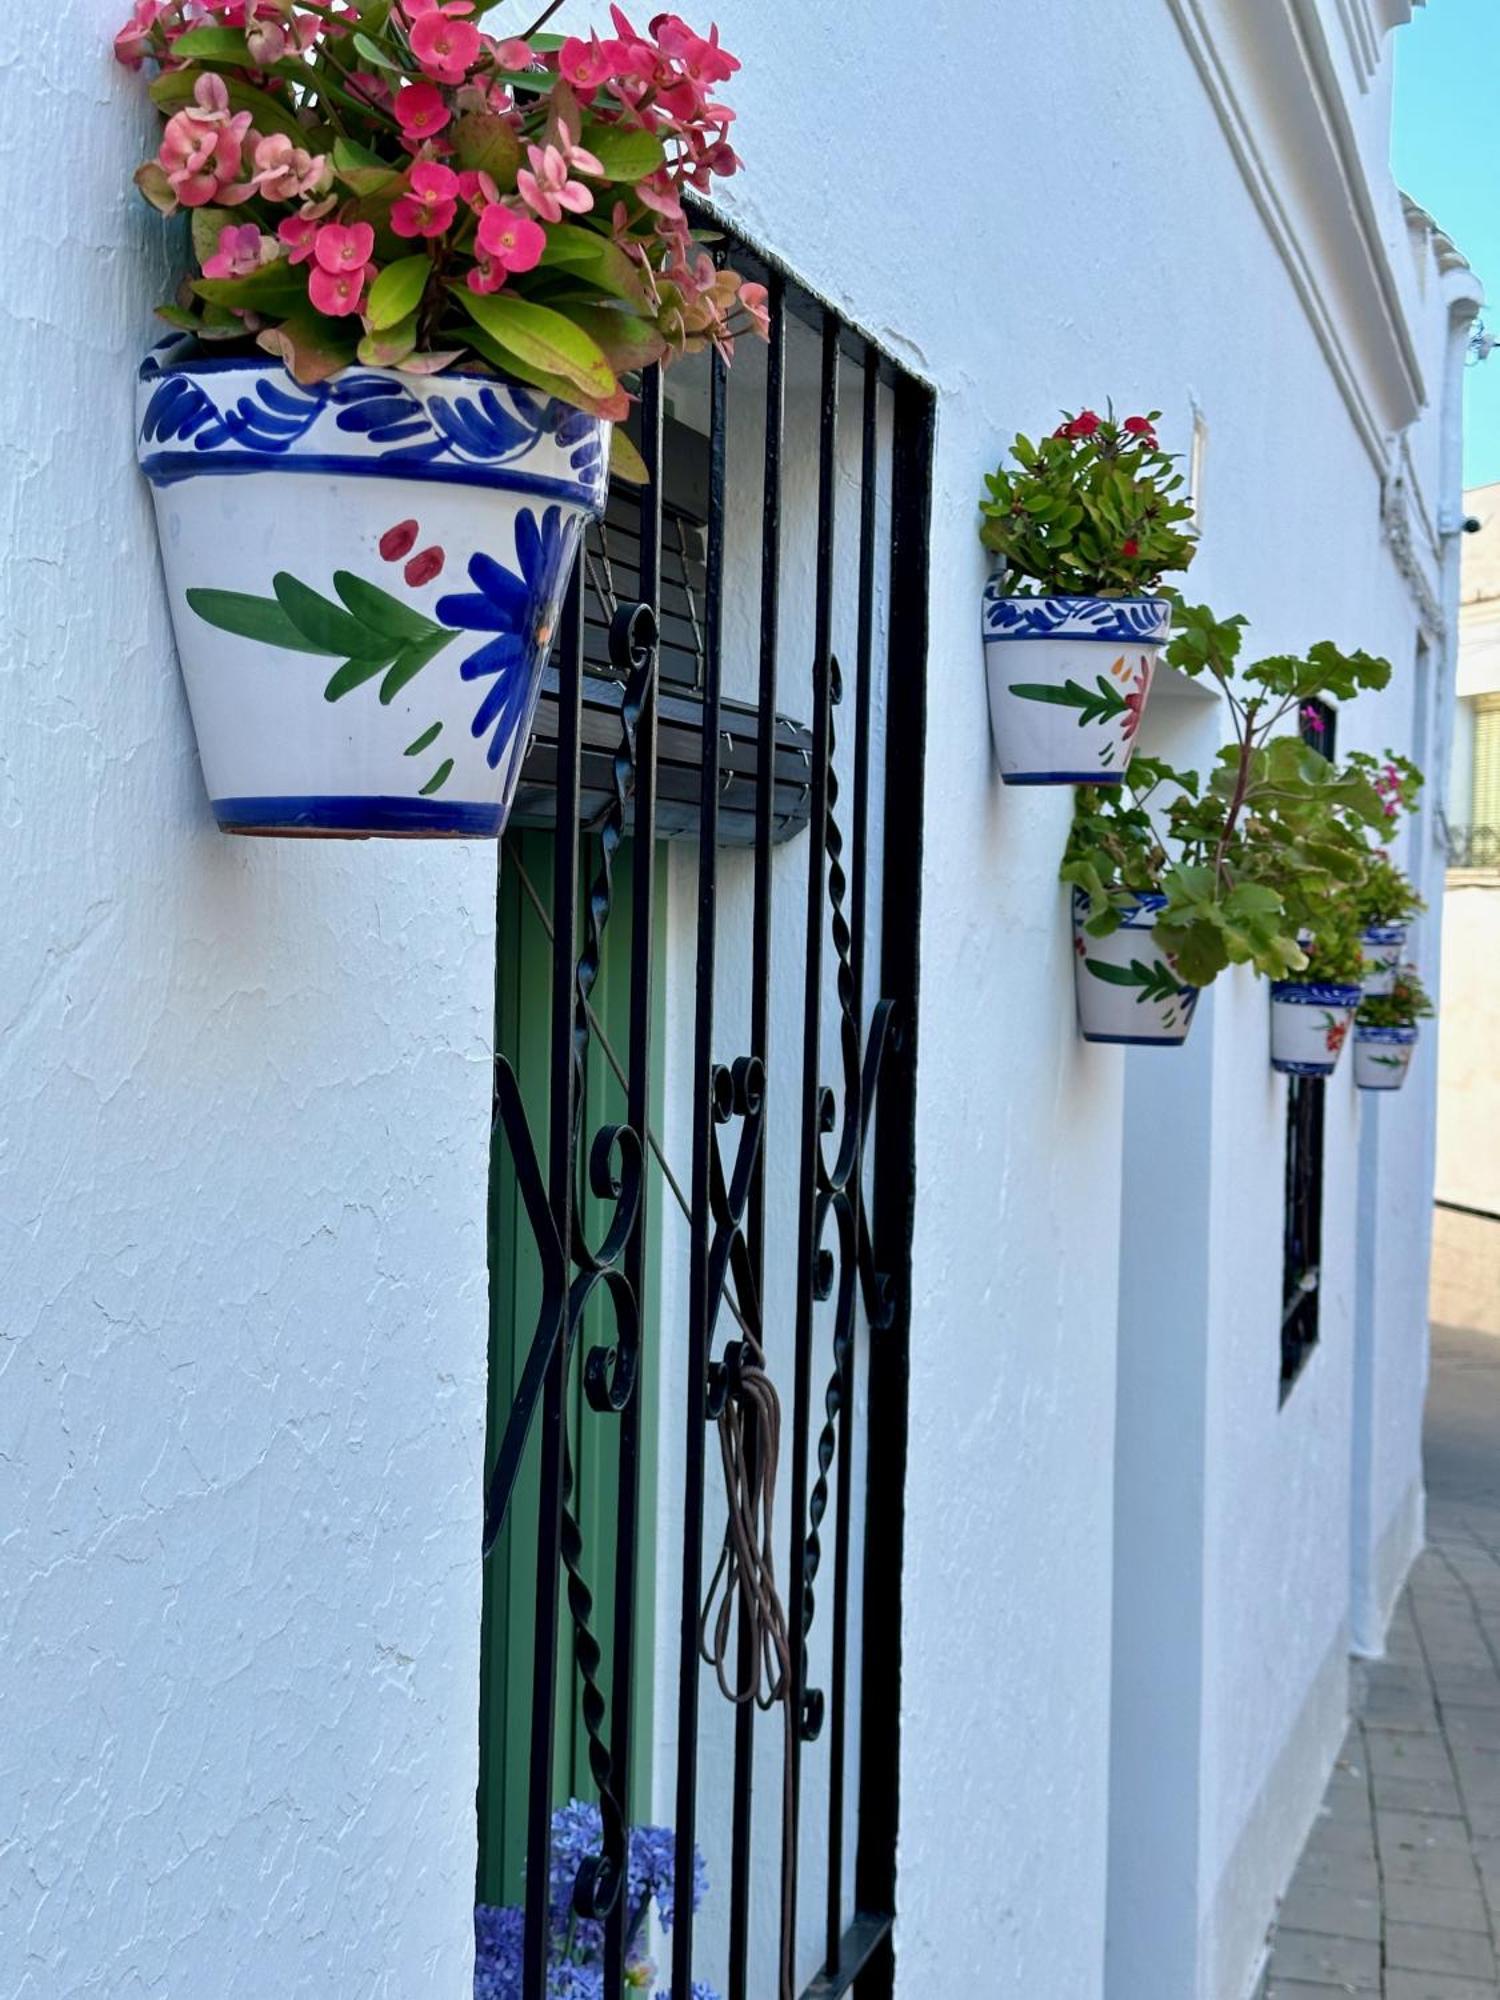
{"x":1382,"y":1056}
{"x":364,"y":577}
{"x":1309,"y":1025}
{"x":1068,"y":680}
{"x":1128,"y":990}
{"x":1382,"y":945}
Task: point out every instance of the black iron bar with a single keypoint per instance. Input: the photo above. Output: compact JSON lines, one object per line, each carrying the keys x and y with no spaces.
{"x":760,"y":1015}
{"x":638,"y":1114}
{"x":560,"y":1197}
{"x":894,"y":1188}
{"x":808,"y":1256}
{"x":859,"y":834}
{"x":700,"y":1306}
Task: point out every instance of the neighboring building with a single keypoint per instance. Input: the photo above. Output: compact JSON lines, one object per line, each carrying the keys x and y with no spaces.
{"x":1466,"y":1243}
{"x":1100,"y":1539}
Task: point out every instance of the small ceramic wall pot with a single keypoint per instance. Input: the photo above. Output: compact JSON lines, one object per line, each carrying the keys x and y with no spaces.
{"x":1127,"y":989}
{"x":364,"y":577}
{"x":1309,"y":1026}
{"x":1068,"y":680}
{"x":1383,"y":945}
{"x":1382,"y":1056}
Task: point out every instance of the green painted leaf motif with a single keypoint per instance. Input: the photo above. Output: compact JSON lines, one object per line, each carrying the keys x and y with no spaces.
{"x":381,"y":612}
{"x":324,"y":623}
{"x":353,"y":674}
{"x":250,"y":617}
{"x":428,"y":736}
{"x":438,"y":779}
{"x":410,"y":662}
{"x":1100,"y":707}
{"x":1156,"y":981}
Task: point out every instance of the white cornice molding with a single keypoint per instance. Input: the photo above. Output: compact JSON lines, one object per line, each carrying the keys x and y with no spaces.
{"x":1288,"y":127}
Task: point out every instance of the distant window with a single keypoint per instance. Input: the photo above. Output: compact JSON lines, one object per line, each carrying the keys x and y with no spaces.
{"x":1486,"y":808}
{"x":1302,"y":1234}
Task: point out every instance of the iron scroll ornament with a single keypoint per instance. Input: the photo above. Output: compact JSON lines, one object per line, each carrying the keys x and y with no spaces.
{"x":615,"y":1171}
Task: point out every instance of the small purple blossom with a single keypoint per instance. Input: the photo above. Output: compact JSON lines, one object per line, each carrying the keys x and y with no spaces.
{"x":1313,"y":720}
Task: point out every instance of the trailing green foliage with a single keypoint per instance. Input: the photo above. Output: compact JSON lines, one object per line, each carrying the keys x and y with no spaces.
{"x":1407,"y":1003}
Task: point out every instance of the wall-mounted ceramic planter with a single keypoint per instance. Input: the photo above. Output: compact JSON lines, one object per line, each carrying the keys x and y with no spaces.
{"x":1309,"y":1026}
{"x":1383,"y":945}
{"x":1068,"y":680}
{"x":1128,"y":990}
{"x":1382,"y":1056}
{"x":364,"y":578}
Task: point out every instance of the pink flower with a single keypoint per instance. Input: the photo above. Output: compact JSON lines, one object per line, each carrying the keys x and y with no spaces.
{"x":421,"y":112}
{"x":344,"y":247}
{"x":512,"y":238}
{"x":703,"y":61}
{"x":298,"y":234}
{"x":1312,"y":720}
{"x":242,"y":250}
{"x":755,"y":301}
{"x":547,"y":188}
{"x":588,"y":64}
{"x":337,"y":293}
{"x":658,"y":194}
{"x":429,"y":206}
{"x":514,"y":53}
{"x":446,"y":48}
{"x":133,"y":43}
{"x":268,"y":42}
{"x":285,"y":171}
{"x":1140,"y":427}
{"x":203,"y":147}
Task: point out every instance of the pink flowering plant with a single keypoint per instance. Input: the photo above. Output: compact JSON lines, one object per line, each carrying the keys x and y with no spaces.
{"x":389,"y":181}
{"x":1096,"y":509}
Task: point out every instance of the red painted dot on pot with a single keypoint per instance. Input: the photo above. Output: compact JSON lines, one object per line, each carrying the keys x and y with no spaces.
{"x":423,"y":568}
{"x":399,"y":541}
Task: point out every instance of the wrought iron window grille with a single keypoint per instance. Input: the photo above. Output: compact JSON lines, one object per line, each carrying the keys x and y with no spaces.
{"x":599,"y":760}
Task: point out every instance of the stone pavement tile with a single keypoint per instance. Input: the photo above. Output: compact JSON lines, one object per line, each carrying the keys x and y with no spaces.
{"x":1342,"y":1837}
{"x":1478,"y":1772}
{"x":1426,"y":1948}
{"x":1443,"y":1909}
{"x":1437,"y":1986}
{"x":1353,"y":1874}
{"x":1437,"y":1867}
{"x":1467,"y":1687}
{"x":1477,"y":1726}
{"x":1438,"y":1796}
{"x":1309,"y":1906}
{"x":1350,"y":1962}
{"x":1409,"y":1756}
{"x":1300,"y":1989}
{"x":1483,"y":1816}
{"x":1419,"y":1832}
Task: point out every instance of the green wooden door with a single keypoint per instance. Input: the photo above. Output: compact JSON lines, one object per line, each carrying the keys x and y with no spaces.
{"x":523,"y":990}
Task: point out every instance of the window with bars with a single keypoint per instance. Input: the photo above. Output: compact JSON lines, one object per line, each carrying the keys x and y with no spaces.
{"x":1302,"y":1238}
{"x":701,"y":1256}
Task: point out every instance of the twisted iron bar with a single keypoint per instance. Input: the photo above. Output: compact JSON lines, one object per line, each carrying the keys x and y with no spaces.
{"x":840,"y":1195}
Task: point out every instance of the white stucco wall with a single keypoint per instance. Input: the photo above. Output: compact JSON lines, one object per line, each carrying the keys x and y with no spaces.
{"x":243,"y":1153}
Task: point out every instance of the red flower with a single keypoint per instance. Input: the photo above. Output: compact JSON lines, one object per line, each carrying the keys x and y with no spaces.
{"x":1135,"y":702}
{"x":1084,"y":424}
{"x":1141,"y":427}
{"x":1130,"y":548}
{"x":423,"y":568}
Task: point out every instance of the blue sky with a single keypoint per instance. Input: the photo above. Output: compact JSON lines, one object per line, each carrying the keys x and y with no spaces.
{"x":1447,"y":155}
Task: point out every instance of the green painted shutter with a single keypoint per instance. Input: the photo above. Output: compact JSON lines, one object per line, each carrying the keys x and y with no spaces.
{"x":523,"y":989}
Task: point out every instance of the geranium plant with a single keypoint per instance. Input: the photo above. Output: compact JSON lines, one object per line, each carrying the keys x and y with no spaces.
{"x":1407,"y":1003}
{"x":389,"y":181}
{"x":1387,"y":895}
{"x":1271,"y":847}
{"x":1096,"y":509}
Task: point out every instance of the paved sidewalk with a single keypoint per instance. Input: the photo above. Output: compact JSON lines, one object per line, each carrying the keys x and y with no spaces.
{"x":1398,"y":1892}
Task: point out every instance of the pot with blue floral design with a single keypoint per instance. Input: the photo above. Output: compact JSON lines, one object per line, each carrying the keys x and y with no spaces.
{"x":1382,"y":946}
{"x":1068,"y":681}
{"x":1382,"y":1056}
{"x":364,"y":577}
{"x":1128,"y":989}
{"x":1310,"y":1023}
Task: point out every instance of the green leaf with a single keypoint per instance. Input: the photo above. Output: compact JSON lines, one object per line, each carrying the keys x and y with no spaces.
{"x":273,"y":288}
{"x":484,"y":143}
{"x":353,"y":674}
{"x":626,"y":152}
{"x":542,"y":339}
{"x":598,"y":259}
{"x":625,"y":462}
{"x":313,"y":348}
{"x":382,"y":613}
{"x":410,"y":662}
{"x":397,"y":292}
{"x":326,"y":626}
{"x":626,"y":341}
{"x":157,"y":189}
{"x":390,"y":348}
{"x":212,"y":45}
{"x":375,"y":55}
{"x":252,"y":617}
{"x":439,"y":778}
{"x":428,"y":736}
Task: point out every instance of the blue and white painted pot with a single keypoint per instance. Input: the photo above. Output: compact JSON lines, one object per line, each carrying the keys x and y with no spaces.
{"x":364,"y":578}
{"x":1383,"y":945}
{"x":1128,"y":990}
{"x":1068,"y":680}
{"x":1382,"y":1056}
{"x":1310,"y":1025}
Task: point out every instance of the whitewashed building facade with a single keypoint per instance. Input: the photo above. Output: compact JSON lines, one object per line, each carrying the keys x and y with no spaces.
{"x":247,"y":1091}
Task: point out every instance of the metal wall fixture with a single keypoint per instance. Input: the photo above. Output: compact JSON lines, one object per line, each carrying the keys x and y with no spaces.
{"x":608,"y":758}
